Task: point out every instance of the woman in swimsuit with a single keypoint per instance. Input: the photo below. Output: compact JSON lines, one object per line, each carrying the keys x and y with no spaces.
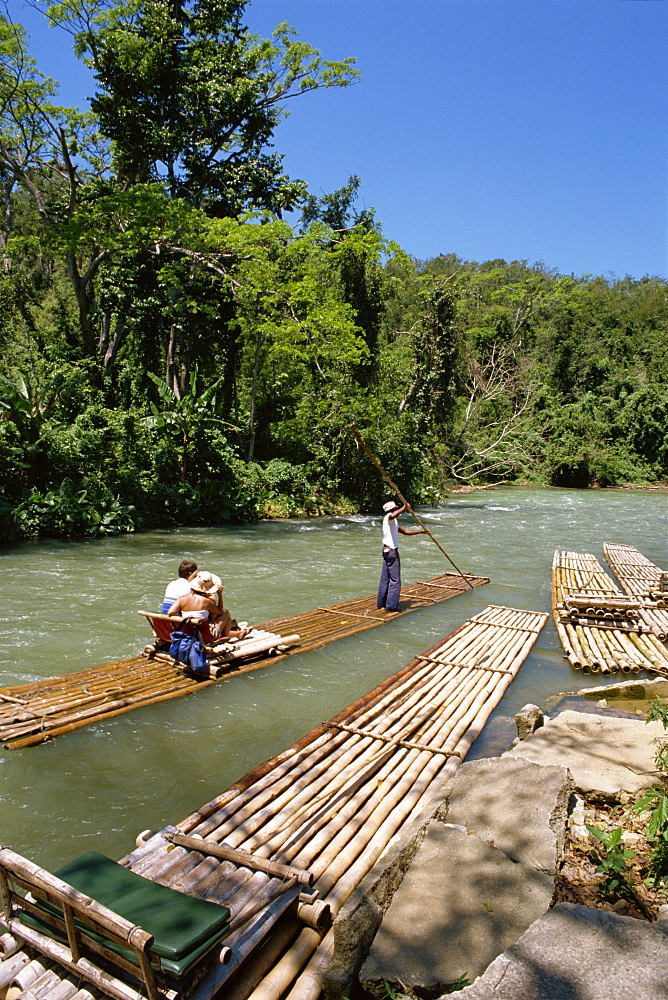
{"x":204,"y":601}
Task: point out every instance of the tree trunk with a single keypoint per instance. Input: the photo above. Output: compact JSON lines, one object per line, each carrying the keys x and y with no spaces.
{"x":83,"y":290}
{"x":251,"y":418}
{"x":171,"y":373}
{"x":116,"y":341}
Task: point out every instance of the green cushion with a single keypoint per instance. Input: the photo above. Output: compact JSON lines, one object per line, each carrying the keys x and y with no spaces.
{"x":178,"y":923}
{"x":183,"y":928}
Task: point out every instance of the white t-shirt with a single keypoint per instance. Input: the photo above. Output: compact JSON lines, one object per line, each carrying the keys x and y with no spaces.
{"x":175,"y":589}
{"x":390,"y":532}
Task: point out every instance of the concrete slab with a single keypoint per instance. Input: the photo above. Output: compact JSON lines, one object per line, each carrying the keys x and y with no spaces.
{"x":611,"y":759}
{"x":514,"y":804}
{"x":460,"y":904}
{"x":577,"y":953}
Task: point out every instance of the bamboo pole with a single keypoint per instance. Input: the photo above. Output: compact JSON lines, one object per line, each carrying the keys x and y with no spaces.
{"x":480,"y":681}
{"x":284,"y":768}
{"x":405,"y":502}
{"x":242,"y":858}
{"x":310,"y":787}
{"x":10,"y":967}
{"x":259,"y":963}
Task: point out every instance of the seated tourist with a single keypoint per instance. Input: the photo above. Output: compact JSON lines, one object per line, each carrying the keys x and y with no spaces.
{"x":200,"y":601}
{"x":204,"y":601}
{"x":179,"y":587}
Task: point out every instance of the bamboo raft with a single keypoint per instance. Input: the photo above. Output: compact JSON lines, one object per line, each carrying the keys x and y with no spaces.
{"x":641,"y":578}
{"x":599,"y":626}
{"x":35,"y":712}
{"x":329,"y":805}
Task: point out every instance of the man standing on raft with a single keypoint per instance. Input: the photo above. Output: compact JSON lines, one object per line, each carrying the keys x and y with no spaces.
{"x":390,"y":577}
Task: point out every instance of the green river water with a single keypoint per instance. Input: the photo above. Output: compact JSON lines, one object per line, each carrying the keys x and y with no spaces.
{"x":73,"y":605}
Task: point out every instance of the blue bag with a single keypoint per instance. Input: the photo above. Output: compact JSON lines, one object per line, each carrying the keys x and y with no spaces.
{"x":188,"y":649}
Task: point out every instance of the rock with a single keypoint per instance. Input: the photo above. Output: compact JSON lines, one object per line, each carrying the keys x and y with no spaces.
{"x":574,"y":951}
{"x":477,"y":880}
{"x":528,"y":720}
{"x":656,"y":687}
{"x":577,"y":819}
{"x":576,"y":811}
{"x":611,"y":759}
{"x":460,"y":904}
{"x":488,"y":796}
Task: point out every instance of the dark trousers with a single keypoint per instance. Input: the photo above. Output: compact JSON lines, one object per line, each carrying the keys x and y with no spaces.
{"x":390,"y":580}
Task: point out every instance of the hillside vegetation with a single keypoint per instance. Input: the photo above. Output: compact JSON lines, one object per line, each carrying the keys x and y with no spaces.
{"x":187,"y":333}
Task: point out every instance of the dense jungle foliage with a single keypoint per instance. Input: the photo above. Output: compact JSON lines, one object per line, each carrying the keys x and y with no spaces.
{"x":175,"y":351}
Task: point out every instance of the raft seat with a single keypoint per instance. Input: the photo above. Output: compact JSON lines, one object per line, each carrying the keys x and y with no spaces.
{"x":94,"y":904}
{"x":163,"y":626}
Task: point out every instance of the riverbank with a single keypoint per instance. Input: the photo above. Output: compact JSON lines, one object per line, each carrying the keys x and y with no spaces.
{"x":641,"y":892}
{"x":84,"y":517}
{"x":527,"y":895}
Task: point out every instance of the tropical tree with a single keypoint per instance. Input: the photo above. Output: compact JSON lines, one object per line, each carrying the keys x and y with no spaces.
{"x":186,"y":104}
{"x":302,"y":344}
{"x":190,"y":98}
{"x":26,"y":405}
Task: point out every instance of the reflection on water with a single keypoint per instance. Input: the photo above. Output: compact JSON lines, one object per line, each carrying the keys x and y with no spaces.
{"x":72,"y":605}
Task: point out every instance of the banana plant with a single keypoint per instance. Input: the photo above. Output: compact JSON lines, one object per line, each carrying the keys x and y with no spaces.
{"x":183,"y":418}
{"x":26,"y":405}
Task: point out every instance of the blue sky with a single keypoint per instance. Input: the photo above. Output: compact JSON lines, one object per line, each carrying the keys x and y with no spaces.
{"x":522,"y":129}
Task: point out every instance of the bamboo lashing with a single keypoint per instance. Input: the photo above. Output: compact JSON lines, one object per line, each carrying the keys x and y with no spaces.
{"x":352,"y":614}
{"x":390,"y":741}
{"x":600,"y":628}
{"x":495,"y":670}
{"x":38,"y":711}
{"x":404,"y":502}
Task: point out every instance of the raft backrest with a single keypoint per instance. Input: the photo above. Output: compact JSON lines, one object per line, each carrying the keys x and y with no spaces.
{"x":67,"y":925}
{"x":162,"y":625}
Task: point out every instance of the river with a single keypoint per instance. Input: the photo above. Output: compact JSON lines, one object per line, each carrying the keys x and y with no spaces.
{"x":70,"y":605}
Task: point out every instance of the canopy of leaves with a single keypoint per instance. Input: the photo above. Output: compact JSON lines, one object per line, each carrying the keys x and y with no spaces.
{"x":174,"y":351}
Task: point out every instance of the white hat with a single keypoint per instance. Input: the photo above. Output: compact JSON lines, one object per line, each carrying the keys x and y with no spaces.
{"x":203,"y":583}
{"x":390,"y":505}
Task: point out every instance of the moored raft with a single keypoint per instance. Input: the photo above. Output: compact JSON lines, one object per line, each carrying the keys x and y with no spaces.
{"x":35,"y":712}
{"x":600,"y":627}
{"x":643,"y":579}
{"x":328,"y":806}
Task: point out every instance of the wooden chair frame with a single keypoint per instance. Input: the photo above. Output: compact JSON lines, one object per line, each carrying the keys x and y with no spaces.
{"x":163,"y":625}
{"x":17,"y":872}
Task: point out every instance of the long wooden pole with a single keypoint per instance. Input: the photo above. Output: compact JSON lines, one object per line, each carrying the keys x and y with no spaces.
{"x":405,"y":502}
